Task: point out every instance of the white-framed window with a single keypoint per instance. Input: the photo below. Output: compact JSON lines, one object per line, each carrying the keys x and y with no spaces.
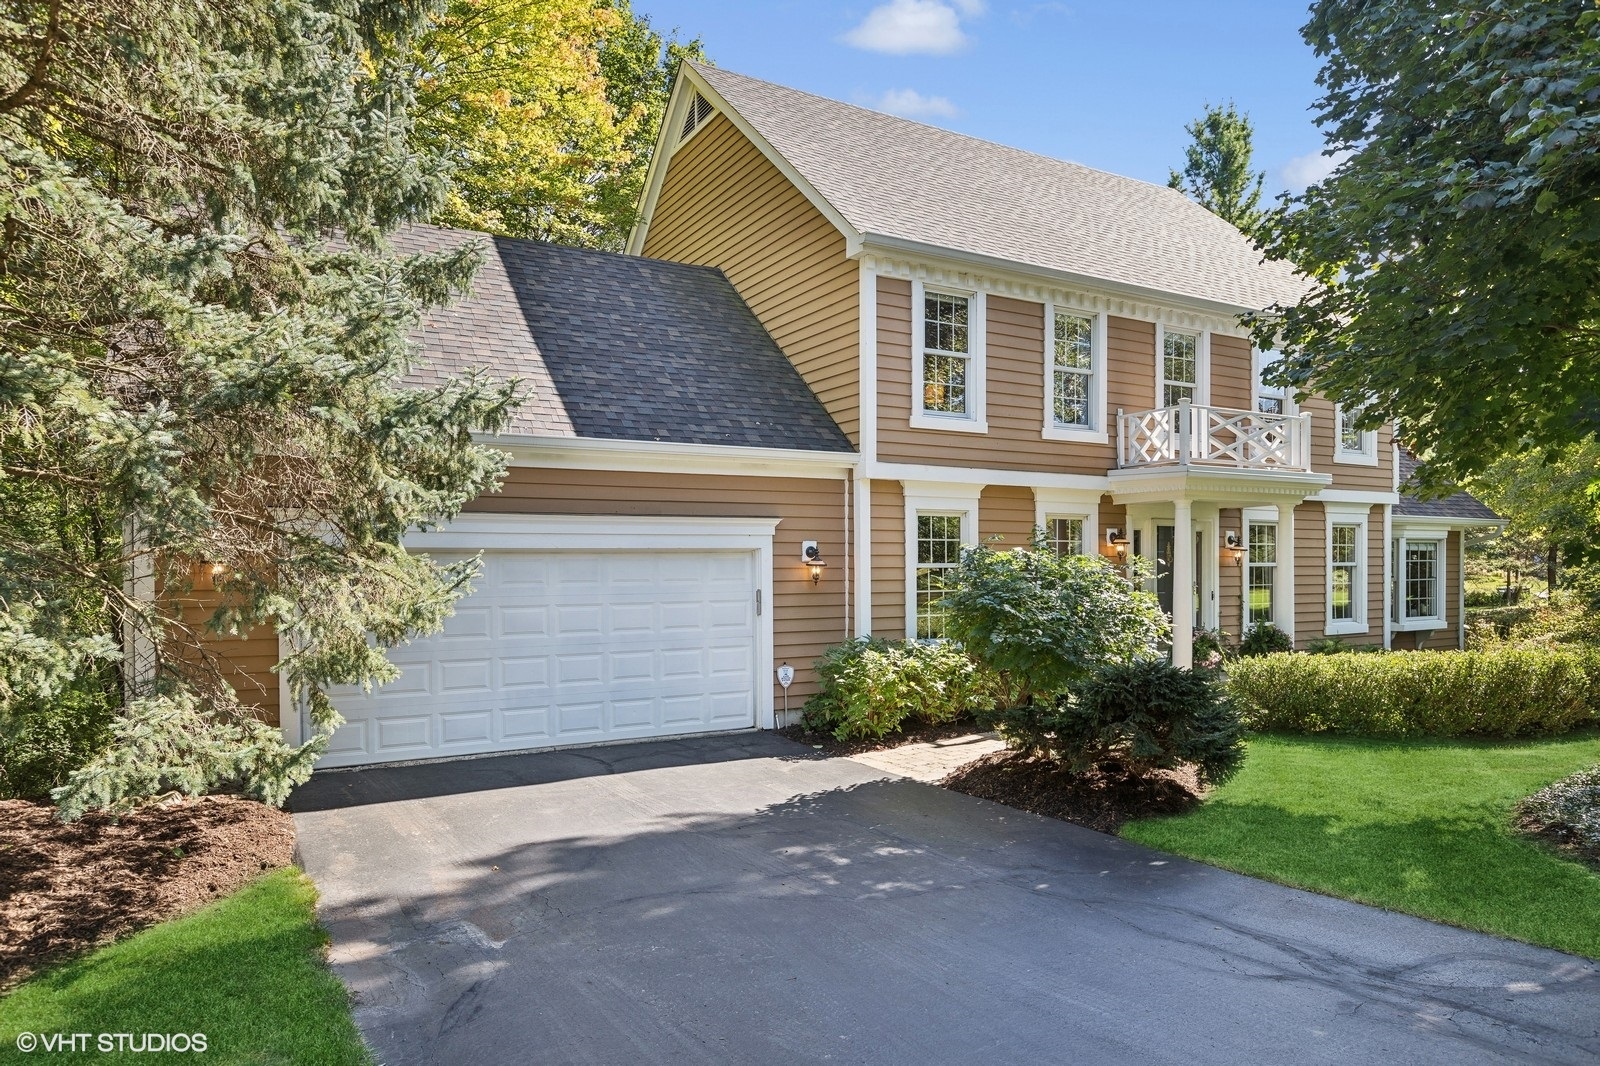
{"x":1065,"y":534}
{"x":1261,"y":572}
{"x":1350,"y":443}
{"x":1181,"y":370}
{"x":1270,"y":399}
{"x":947,"y":332}
{"x":1074,"y":368}
{"x":1347,"y":570}
{"x":1419,"y":569}
{"x":941,"y":519}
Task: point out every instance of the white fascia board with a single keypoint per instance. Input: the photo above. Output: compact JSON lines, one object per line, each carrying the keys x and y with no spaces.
{"x":658,"y":167}
{"x":867,"y":243}
{"x":591,"y":453}
{"x":1412,"y":523}
{"x":963,"y":475}
{"x":1374,"y":499}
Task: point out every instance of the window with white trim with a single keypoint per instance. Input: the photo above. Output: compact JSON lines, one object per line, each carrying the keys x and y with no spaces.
{"x":1270,"y":399}
{"x":1345,"y":587}
{"x":1421,"y":579}
{"x":1180,"y":367}
{"x":1064,"y":534}
{"x":1352,"y":444}
{"x":938,"y":551}
{"x":1072,"y":383}
{"x":946,"y":353}
{"x":1262,"y":572}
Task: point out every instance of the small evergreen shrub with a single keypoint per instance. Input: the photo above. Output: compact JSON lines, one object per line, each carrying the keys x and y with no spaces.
{"x":1264,"y":638}
{"x":1144,"y":715}
{"x":1505,"y":692}
{"x":871,"y":687}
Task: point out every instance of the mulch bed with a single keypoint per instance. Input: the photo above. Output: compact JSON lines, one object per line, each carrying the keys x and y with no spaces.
{"x":67,"y":888}
{"x":916,"y":734}
{"x":1101,"y":800}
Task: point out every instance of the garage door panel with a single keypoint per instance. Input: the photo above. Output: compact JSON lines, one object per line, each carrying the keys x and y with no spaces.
{"x":557,"y":648}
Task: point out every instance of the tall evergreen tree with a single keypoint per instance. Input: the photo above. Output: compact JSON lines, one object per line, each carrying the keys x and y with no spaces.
{"x":1217,"y":170}
{"x":202,"y":340}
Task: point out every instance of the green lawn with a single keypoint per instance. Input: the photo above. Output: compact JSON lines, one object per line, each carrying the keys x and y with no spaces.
{"x":1415,"y":826}
{"x":248,"y":972}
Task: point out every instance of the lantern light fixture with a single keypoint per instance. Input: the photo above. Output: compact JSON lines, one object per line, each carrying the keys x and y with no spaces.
{"x":811,"y":555}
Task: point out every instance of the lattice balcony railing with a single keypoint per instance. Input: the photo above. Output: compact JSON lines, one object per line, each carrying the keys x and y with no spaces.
{"x":1200,"y":435}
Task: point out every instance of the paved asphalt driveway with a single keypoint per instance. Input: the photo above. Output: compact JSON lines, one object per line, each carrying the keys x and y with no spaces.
{"x":734,"y":899}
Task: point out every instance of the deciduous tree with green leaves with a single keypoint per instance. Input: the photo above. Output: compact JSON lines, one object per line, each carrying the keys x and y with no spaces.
{"x":1456,"y":250}
{"x":547,"y":111}
{"x":1217,"y":172}
{"x":203,"y":337}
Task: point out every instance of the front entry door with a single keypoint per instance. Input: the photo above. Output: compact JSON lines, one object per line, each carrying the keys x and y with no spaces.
{"x":1164,"y":551}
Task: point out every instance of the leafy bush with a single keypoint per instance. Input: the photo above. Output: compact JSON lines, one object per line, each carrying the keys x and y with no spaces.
{"x":1145,"y":715}
{"x":1211,"y":648}
{"x":1264,"y":638}
{"x":871,"y":686}
{"x":1420,"y":693}
{"x":1491,"y":624}
{"x":46,"y":739}
{"x":1044,"y":621}
{"x":1567,"y":812}
{"x":1335,"y":646}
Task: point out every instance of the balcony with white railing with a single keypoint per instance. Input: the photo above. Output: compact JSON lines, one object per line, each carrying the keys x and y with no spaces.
{"x":1217,"y":438}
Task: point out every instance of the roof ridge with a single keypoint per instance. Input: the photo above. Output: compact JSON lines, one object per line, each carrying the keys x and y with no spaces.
{"x":578,"y":248}
{"x":946,"y":131}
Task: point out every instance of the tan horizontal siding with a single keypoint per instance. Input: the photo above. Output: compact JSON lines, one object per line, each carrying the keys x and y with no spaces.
{"x":723,"y":204}
{"x":806,"y":618}
{"x":888,"y":559}
{"x":1310,"y":573}
{"x":1131,"y":366}
{"x":245,"y":662}
{"x":1006,"y":512}
{"x":1230,"y":583}
{"x":1232,"y":376}
{"x":1112,"y":516}
{"x":1378,"y":478}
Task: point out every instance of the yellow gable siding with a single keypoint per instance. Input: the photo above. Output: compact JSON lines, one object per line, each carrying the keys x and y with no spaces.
{"x":723,"y":204}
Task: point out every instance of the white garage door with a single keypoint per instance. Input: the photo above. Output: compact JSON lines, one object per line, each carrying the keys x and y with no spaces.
{"x":558,"y":648}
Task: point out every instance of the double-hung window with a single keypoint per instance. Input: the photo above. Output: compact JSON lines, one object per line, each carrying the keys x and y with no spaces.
{"x":938,"y":554}
{"x":1419,"y":578}
{"x":1182,"y":355}
{"x":1262,"y":573}
{"x":1344,"y":562}
{"x":1351,"y":443}
{"x":1270,"y":399}
{"x":1074,"y":369}
{"x":948,"y":359}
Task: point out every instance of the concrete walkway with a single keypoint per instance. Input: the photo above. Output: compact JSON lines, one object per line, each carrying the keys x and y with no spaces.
{"x":739,"y":900}
{"x":932,"y":760}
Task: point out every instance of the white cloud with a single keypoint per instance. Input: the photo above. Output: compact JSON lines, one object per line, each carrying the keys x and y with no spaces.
{"x":904,"y":27}
{"x":1304,"y":170}
{"x":908,"y":103}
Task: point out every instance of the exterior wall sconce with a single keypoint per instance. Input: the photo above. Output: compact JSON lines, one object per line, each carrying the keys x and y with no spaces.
{"x":811,"y":555}
{"x":1235,"y":547}
{"x":1118,"y":539}
{"x":205,"y":575}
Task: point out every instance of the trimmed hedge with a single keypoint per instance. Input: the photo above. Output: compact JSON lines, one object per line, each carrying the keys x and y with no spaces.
{"x":1504,"y":692}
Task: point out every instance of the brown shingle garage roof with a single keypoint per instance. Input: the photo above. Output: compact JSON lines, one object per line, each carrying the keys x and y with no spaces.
{"x":619,"y":347}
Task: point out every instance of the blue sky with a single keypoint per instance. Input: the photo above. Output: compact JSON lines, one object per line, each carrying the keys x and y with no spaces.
{"x":1110,"y":85}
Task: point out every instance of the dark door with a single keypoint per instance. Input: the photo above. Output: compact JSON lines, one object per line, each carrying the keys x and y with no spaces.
{"x":1164,"y":537}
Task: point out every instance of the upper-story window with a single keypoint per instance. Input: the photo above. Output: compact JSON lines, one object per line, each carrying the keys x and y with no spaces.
{"x":1181,"y":355}
{"x":1352,"y":444}
{"x":948,"y":363}
{"x":1074,"y":375}
{"x":1270,"y":399}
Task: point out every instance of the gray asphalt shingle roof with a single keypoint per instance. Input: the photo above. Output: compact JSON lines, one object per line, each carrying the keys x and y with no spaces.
{"x":618,"y":347}
{"x":1458,"y":505}
{"x":902,"y":179}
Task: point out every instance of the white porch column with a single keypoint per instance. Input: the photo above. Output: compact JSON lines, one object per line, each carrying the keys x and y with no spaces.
{"x":1182,"y":583}
{"x":1283,"y":588}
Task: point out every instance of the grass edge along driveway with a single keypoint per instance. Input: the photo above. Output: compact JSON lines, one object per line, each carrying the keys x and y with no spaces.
{"x":248,"y":971}
{"x":1419,"y":826}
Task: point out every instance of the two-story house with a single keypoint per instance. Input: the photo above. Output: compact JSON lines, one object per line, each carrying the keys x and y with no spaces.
{"x":845,"y":345}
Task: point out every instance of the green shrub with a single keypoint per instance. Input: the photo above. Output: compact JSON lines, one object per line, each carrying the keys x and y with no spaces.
{"x":46,"y":738}
{"x":1335,"y":646}
{"x":1211,"y":648}
{"x":1505,"y":692}
{"x":1264,"y":638}
{"x":1044,"y":621}
{"x":871,"y":687}
{"x":1145,"y":715}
